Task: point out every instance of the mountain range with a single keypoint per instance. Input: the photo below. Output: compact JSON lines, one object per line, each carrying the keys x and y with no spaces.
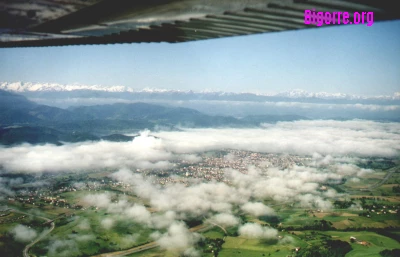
{"x":22,"y":120}
{"x":79,"y":90}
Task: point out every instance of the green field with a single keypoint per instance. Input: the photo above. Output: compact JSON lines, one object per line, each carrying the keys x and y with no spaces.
{"x":377,"y":242}
{"x":214,"y":233}
{"x":237,"y":246}
{"x":83,"y":230}
{"x":92,"y":238}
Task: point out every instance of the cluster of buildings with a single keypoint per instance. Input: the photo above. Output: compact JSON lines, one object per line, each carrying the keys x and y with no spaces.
{"x":213,"y":166}
{"x":361,"y":242}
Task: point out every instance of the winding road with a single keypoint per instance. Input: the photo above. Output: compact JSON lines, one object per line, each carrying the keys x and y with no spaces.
{"x":40,"y":237}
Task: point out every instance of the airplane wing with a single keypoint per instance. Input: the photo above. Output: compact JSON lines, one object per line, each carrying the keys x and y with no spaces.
{"x":27,"y":23}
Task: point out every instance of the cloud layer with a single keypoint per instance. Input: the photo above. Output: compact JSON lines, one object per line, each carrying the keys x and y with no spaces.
{"x":332,"y":147}
{"x":356,"y":138}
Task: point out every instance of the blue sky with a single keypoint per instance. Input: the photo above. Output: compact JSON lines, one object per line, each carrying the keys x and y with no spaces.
{"x":354,"y":59}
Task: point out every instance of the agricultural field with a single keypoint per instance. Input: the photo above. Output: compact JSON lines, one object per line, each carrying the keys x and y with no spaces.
{"x":365,"y":209}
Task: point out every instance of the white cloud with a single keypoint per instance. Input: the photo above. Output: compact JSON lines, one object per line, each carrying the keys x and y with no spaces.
{"x":225,"y":220}
{"x":129,"y":240}
{"x":359,"y":138}
{"x":99,"y":200}
{"x":84,"y":224}
{"x":256,"y":231}
{"x":258,"y":209}
{"x":63,"y":248}
{"x":143,"y":152}
{"x":164,"y":220}
{"x":138,"y":213}
{"x":107,"y":223}
{"x":23,"y":233}
{"x":177,"y":238}
{"x":327,"y":137}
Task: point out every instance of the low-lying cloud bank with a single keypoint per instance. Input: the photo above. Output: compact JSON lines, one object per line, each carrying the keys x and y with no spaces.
{"x":357,"y":138}
{"x":333,"y":148}
{"x":221,"y":204}
{"x":326,"y":137}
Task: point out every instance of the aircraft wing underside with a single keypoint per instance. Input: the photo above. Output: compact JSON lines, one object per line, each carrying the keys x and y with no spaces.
{"x":26,"y":23}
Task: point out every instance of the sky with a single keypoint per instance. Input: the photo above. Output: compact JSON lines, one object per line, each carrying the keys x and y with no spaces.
{"x":352,"y":59}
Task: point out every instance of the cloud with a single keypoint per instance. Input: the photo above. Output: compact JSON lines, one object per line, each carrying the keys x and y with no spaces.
{"x":191,"y":252}
{"x":143,"y":152}
{"x":225,"y":220}
{"x":331,"y":149}
{"x":287,"y":240}
{"x":135,"y":212}
{"x":5,"y":189}
{"x":123,"y":175}
{"x":325,"y":137}
{"x":258,"y":209}
{"x":190,"y":158}
{"x":230,"y":157}
{"x":128,"y":240}
{"x":331,"y":106}
{"x":218,"y":200}
{"x":15,"y":181}
{"x":280,"y":185}
{"x":349,"y":169}
{"x":107,"y":223}
{"x":99,"y":200}
{"x":256,"y":231}
{"x":138,"y":213}
{"x":23,"y":233}
{"x":177,"y":238}
{"x":164,"y":220}
{"x":355,"y":180}
{"x":84,"y":225}
{"x":313,"y":201}
{"x":215,"y":202}
{"x":63,"y":248}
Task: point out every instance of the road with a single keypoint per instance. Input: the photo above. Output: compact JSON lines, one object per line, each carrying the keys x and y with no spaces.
{"x":383,"y":181}
{"x":25,"y":252}
{"x":42,"y":235}
{"x":147,"y":246}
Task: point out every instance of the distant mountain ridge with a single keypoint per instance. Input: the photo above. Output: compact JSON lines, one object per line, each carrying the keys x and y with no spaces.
{"x":29,"y":87}
{"x":16,"y":110}
{"x":41,"y":135}
{"x":22,"y":120}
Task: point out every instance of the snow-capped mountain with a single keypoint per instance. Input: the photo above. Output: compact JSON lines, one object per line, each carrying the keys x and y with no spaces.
{"x":42,"y":87}
{"x":29,"y":87}
{"x":299,"y":93}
